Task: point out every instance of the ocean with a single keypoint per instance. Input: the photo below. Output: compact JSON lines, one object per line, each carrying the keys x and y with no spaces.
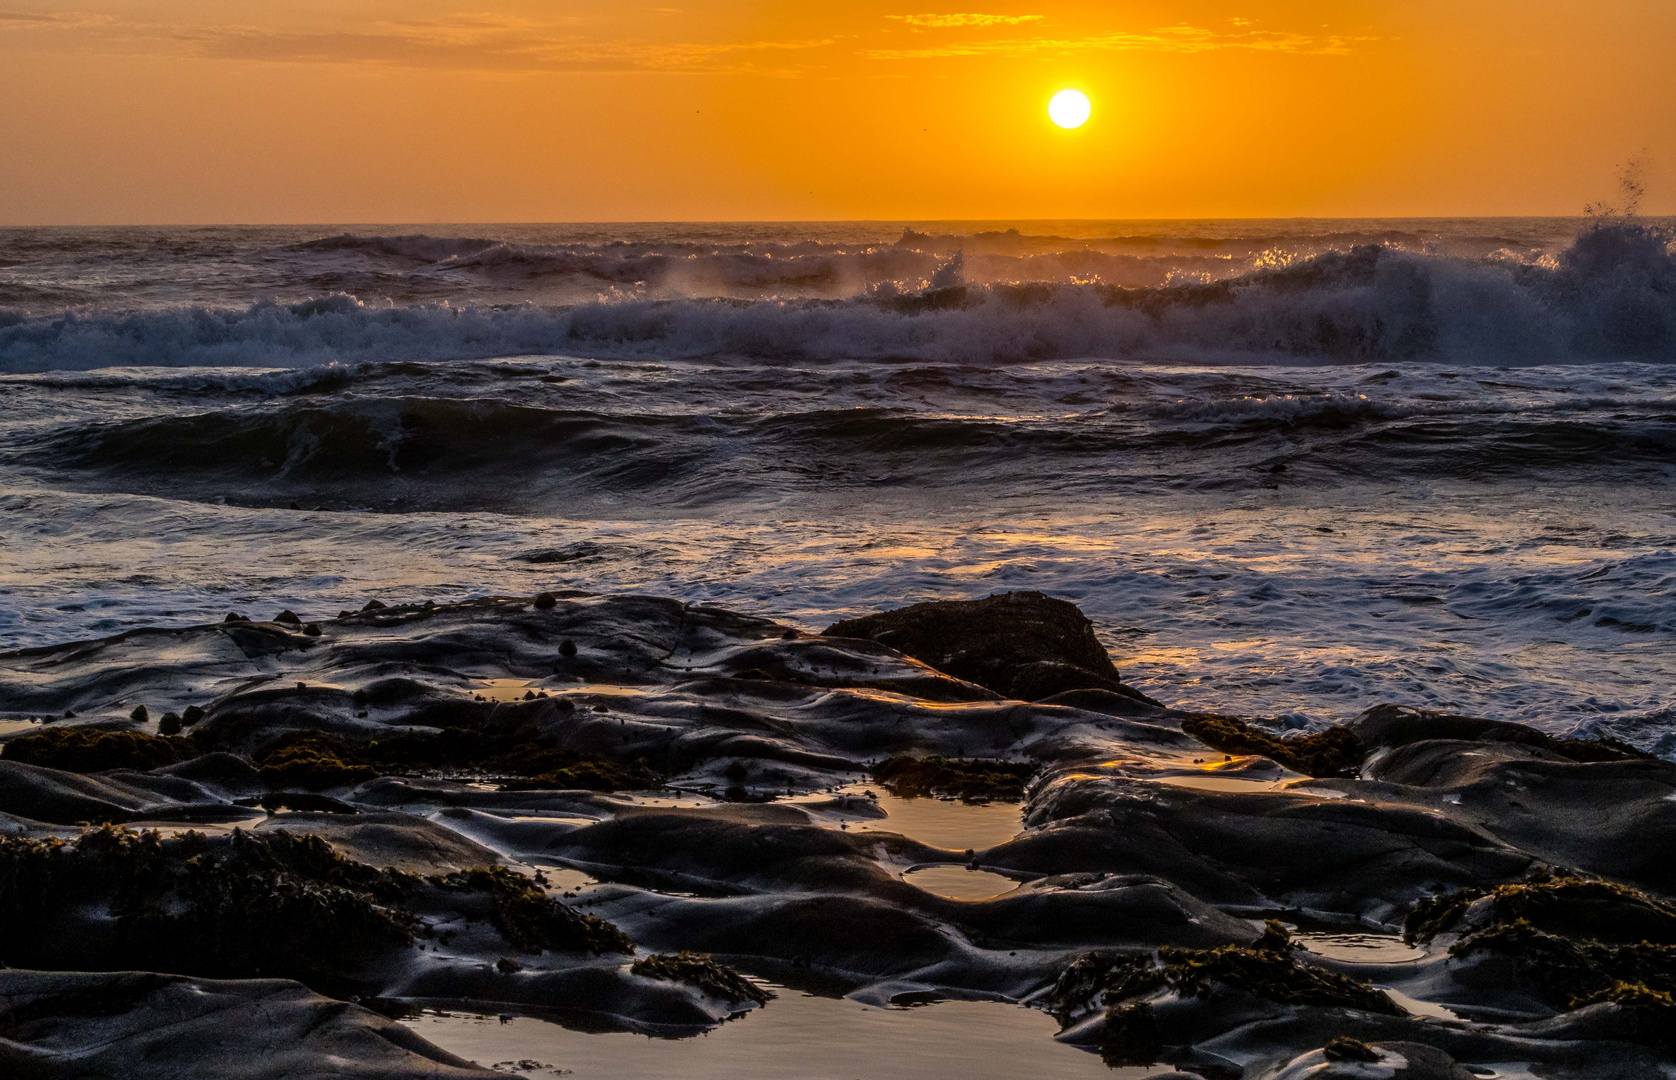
{"x":1291,"y":469}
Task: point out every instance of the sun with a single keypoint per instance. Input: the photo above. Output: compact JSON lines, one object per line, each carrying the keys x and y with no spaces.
{"x":1070,"y":109}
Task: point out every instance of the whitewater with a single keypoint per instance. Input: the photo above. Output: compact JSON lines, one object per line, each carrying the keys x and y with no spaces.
{"x":1290,"y":468}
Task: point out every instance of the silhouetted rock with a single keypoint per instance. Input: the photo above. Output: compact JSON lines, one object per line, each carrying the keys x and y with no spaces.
{"x":1022,"y":645}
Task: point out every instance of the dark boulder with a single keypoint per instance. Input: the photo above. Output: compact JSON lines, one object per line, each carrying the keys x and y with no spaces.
{"x":1023,"y":645}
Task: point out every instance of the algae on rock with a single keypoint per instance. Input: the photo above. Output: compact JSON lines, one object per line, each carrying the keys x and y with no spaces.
{"x":237,"y":906}
{"x":1333,"y":752}
{"x":973,"y":780}
{"x":531,"y":920}
{"x":87,"y":749}
{"x":702,"y":970}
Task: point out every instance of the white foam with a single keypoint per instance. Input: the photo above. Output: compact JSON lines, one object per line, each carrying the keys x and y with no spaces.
{"x":1613,"y":295}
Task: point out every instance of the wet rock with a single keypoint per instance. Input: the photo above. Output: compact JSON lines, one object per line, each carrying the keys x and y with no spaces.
{"x":142,"y":1026}
{"x":191,"y":715}
{"x":1130,"y":840}
{"x":1571,"y":942}
{"x":139,"y":715}
{"x":546,"y":601}
{"x":230,"y":906}
{"x":1392,"y":726}
{"x":64,"y":798}
{"x":275,"y":801}
{"x":288,"y":617}
{"x":169,"y":724}
{"x":1566,"y":802}
{"x":1345,"y":1058}
{"x":313,"y":629}
{"x":1022,"y":645}
{"x":531,"y":920}
{"x":227,"y":773}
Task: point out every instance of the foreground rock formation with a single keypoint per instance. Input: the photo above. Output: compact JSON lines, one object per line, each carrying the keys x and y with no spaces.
{"x":636,"y":813}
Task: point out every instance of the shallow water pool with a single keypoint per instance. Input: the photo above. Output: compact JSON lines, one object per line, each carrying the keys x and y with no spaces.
{"x":959,"y":882}
{"x":795,"y":1037}
{"x":1357,"y":948}
{"x":944,"y":823}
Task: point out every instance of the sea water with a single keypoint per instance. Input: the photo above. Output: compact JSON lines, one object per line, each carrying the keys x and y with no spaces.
{"x":1290,"y":469}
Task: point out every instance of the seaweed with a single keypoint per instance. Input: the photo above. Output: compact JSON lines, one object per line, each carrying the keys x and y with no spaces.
{"x":973,"y":780}
{"x":312,"y":761}
{"x":589,"y":776}
{"x":1334,"y":752}
{"x":1437,"y":914}
{"x":1562,"y":971}
{"x":1268,"y":975}
{"x":1571,"y":940}
{"x":1264,"y":971}
{"x":702,"y":970}
{"x":1130,"y":1037}
{"x":1570,"y":905}
{"x":1345,"y":1048}
{"x":1651,"y":1013}
{"x":1275,"y":937}
{"x":531,"y":920}
{"x":97,"y":749}
{"x":1094,"y":974}
{"x":236,"y":907}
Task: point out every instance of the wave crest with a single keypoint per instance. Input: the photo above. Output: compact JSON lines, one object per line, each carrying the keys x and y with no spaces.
{"x":1612,"y":295}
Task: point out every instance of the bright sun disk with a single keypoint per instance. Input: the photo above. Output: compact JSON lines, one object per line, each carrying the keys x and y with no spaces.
{"x":1070,"y":108}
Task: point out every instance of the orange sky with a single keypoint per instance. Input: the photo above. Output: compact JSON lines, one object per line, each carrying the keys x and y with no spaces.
{"x":490,"y":110}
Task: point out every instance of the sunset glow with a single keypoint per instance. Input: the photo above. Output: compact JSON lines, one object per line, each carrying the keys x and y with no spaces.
{"x":513,"y":110}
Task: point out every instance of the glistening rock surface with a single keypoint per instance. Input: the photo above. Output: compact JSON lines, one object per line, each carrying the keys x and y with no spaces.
{"x":1021,"y":645}
{"x":411,"y":773}
{"x":142,"y":1026}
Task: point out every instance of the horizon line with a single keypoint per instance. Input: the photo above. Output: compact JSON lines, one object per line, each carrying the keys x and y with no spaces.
{"x":817,"y":221}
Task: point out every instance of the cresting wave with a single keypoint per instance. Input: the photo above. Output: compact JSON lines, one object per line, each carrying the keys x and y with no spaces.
{"x":1611,"y":295}
{"x":545,"y":454}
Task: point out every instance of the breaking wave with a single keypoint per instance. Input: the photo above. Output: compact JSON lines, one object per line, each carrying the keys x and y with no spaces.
{"x":1611,"y":295}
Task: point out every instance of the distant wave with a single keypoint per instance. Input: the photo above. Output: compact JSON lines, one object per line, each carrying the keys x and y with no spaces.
{"x":1611,"y":295}
{"x":810,"y":269}
{"x":530,"y":453}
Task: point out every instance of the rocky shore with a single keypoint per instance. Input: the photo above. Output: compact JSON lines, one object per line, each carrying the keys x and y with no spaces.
{"x":242,"y":849}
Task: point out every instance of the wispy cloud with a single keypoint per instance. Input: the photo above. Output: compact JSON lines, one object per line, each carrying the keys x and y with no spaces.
{"x":35,"y":20}
{"x":1176,"y":39}
{"x":495,"y":43}
{"x":944,"y":21}
{"x":470,"y":42}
